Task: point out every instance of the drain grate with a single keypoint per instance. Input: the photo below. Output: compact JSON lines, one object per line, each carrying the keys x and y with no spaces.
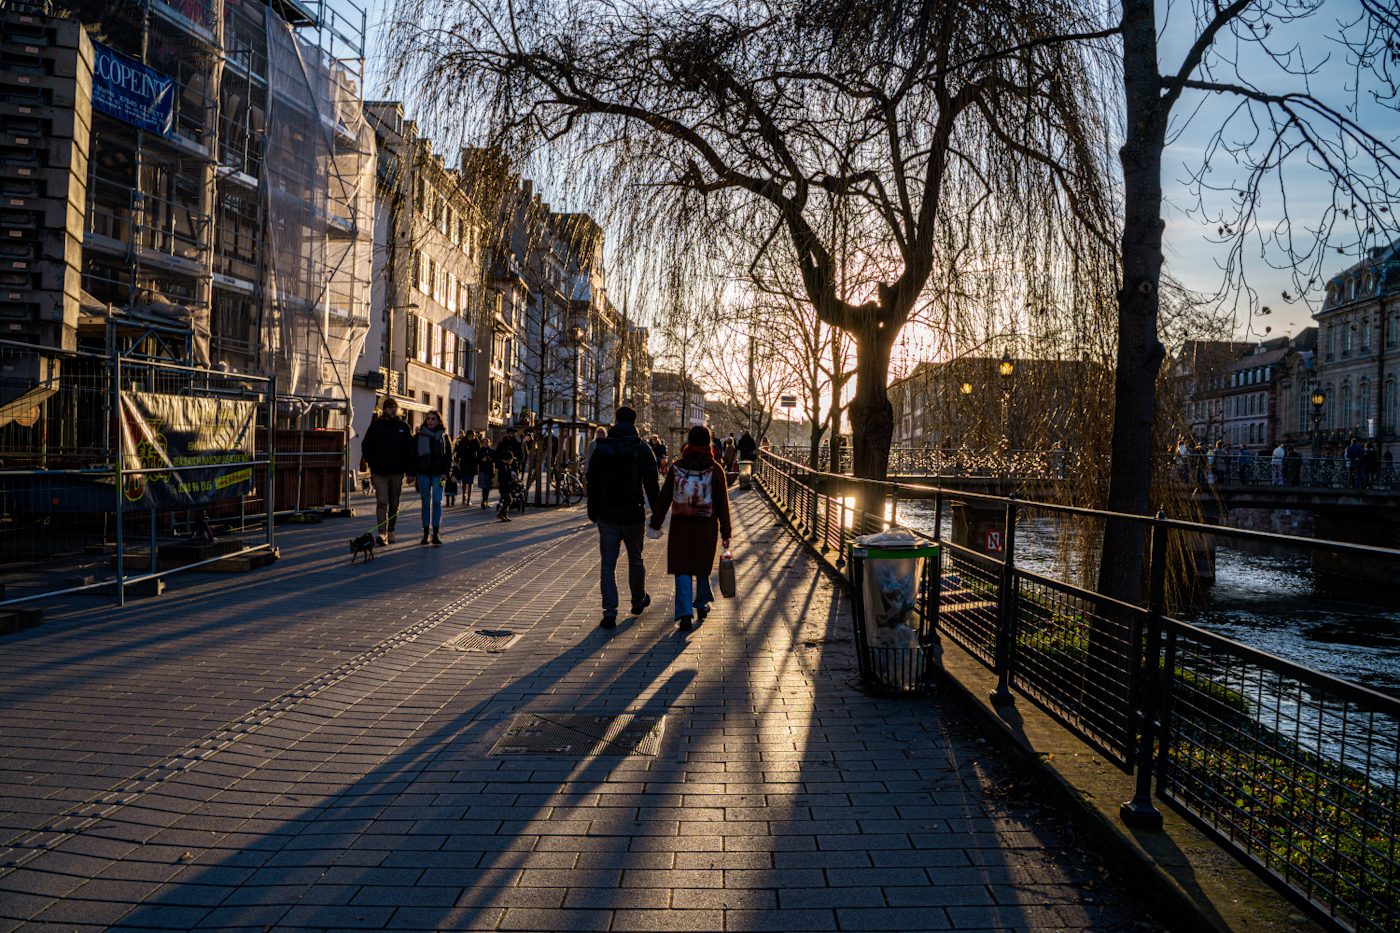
{"x":576,"y":735}
{"x":484,"y":640}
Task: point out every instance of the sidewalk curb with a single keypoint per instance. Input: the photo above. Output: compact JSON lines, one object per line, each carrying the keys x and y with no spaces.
{"x":1191,"y":882}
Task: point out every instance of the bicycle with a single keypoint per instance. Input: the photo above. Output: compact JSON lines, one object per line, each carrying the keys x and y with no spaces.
{"x":568,"y":482}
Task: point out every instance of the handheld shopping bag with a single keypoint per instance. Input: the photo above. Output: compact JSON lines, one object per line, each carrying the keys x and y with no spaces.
{"x":726,"y":574}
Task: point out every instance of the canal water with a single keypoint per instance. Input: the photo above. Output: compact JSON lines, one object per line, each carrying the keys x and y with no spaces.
{"x":1277,"y":604}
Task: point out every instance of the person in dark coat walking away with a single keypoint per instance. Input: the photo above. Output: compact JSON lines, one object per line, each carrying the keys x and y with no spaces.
{"x":1370,"y":464}
{"x":464,"y":456}
{"x":485,"y":469}
{"x":621,"y":485}
{"x":389,"y":452}
{"x":695,"y":489}
{"x":434,"y":458}
{"x":747,"y":446}
{"x":507,"y":482}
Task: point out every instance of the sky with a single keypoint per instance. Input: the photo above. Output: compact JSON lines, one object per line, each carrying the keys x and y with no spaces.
{"x":1193,"y":251}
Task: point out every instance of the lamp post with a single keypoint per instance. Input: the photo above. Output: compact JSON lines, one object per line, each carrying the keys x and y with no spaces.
{"x":1006,"y":368}
{"x":1319,"y":398}
{"x":966,"y":390}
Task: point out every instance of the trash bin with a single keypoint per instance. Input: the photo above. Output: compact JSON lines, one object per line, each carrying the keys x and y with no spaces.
{"x":745,"y":473}
{"x":894,"y":631}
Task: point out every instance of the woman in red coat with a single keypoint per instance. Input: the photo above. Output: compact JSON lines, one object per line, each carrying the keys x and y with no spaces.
{"x":695,"y":486}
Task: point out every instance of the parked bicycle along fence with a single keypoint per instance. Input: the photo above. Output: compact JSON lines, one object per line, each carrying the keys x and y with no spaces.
{"x":1295,"y":770}
{"x":116,"y":470}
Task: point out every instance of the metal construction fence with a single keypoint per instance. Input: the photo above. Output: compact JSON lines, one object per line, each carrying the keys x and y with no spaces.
{"x":118,"y":470}
{"x":1294,"y":770}
{"x":1258,"y":468}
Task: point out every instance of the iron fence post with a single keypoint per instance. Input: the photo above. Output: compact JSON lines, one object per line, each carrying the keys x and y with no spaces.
{"x":1140,"y":812}
{"x":841,"y":533}
{"x":894,"y":505}
{"x":119,"y":486}
{"x":271,"y":456}
{"x":1006,"y":608}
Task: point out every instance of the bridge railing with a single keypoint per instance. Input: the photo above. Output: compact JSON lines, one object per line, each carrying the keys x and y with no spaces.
{"x":1054,"y":464}
{"x":1295,"y":770}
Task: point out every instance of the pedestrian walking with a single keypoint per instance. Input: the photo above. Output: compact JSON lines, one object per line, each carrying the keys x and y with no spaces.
{"x":765,"y":444}
{"x":464,"y":456}
{"x":748,"y":447}
{"x":1246,"y":461}
{"x":434,"y":460}
{"x":508,"y":490}
{"x":622,"y":484}
{"x":598,"y":435}
{"x":511,"y":444}
{"x":731,"y":452}
{"x":695,"y":491}
{"x":485,"y":469}
{"x":1277,"y":460}
{"x":388,"y":452}
{"x":659,"y":451}
{"x":1219,"y":462}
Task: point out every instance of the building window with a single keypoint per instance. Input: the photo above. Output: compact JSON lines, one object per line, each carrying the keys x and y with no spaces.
{"x":1388,"y":415}
{"x":1331,"y":340}
{"x":1365,"y":326}
{"x":1363,"y":401}
{"x":1345,"y":412}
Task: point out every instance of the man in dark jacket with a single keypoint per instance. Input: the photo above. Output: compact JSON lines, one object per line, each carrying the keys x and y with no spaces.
{"x":390,"y":451}
{"x":747,"y":446}
{"x":621,"y":485}
{"x":511,"y":444}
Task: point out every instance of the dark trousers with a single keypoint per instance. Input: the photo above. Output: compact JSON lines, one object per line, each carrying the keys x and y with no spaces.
{"x":611,"y":536}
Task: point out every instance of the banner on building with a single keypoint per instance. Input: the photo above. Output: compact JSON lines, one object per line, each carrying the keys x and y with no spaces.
{"x":129,"y":91}
{"x":182,"y":452}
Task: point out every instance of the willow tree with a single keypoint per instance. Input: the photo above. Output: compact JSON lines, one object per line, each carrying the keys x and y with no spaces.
{"x":711,"y":119}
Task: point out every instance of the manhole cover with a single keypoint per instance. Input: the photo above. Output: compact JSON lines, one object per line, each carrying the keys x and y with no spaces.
{"x":484,"y":640}
{"x":575,"y":735}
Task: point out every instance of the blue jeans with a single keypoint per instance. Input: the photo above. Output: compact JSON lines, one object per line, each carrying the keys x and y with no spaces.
{"x":703,"y":595}
{"x":430,"y":491}
{"x":611,"y":538}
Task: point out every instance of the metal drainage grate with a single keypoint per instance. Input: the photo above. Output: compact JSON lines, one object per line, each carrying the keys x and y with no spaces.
{"x":484,"y":640}
{"x":575,"y":735}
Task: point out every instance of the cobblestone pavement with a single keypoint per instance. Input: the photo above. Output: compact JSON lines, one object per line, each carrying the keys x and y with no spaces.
{"x":305,"y":748}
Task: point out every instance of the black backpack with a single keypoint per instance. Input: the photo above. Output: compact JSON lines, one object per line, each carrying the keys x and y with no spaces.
{"x":615,"y":459}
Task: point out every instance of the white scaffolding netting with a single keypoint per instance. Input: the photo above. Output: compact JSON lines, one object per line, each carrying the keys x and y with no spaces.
{"x":319,"y":174}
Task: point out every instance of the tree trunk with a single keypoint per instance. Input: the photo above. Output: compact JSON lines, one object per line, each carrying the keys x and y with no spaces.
{"x":872,"y":415}
{"x":1140,"y":352}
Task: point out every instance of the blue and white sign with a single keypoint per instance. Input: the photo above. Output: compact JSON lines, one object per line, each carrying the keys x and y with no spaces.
{"x":128,"y":90}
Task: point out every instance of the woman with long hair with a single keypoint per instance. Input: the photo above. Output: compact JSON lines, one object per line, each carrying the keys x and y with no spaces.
{"x":695,"y":492}
{"x":434,"y":449}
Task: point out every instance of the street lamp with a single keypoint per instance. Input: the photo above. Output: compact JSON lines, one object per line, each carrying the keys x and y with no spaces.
{"x":1006,"y":368}
{"x":1319,"y":398}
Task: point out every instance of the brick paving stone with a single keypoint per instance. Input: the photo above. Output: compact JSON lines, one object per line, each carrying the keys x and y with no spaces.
{"x":300,"y":750}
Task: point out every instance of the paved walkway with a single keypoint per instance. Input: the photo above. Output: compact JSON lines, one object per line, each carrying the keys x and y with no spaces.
{"x":304,"y":748}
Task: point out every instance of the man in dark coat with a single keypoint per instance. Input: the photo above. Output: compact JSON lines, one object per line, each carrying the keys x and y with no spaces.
{"x":747,"y":446}
{"x":621,"y":484}
{"x":511,"y":444}
{"x":389,"y":450}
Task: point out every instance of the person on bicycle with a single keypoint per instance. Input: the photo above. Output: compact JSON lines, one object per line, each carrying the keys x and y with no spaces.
{"x":621,"y":485}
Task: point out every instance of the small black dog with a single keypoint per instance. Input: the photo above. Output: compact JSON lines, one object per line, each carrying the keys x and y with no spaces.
{"x":364,"y":544}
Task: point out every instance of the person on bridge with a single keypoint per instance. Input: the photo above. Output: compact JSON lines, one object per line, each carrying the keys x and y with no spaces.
{"x":1277,"y":464}
{"x":388,"y":451}
{"x":621,"y":485}
{"x":1370,"y":464}
{"x":747,"y":446}
{"x":1246,"y":465}
{"x":702,"y":515}
{"x":1355,"y":454}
